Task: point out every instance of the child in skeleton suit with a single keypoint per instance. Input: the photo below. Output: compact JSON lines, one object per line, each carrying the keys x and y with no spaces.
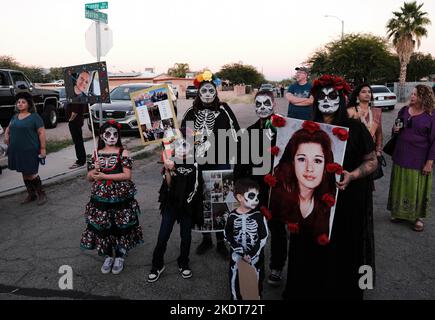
{"x":246,"y":231}
{"x":180,"y":200}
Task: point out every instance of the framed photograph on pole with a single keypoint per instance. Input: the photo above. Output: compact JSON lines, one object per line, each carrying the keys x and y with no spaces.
{"x":87,"y":83}
{"x":155,"y":114}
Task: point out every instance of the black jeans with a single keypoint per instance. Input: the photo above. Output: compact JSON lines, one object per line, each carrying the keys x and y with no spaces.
{"x":168,"y":221}
{"x":77,"y":137}
{"x":278,"y":244}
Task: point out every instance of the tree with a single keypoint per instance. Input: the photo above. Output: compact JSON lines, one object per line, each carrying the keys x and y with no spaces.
{"x":238,"y":73}
{"x":358,"y":58}
{"x":35,"y":74}
{"x":406,"y":28}
{"x":179,"y":70}
{"x":420,"y":66}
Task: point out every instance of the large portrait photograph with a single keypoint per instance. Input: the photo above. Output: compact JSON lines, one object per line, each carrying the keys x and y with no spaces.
{"x":87,"y":83}
{"x":306,"y":169}
{"x":155,"y":114}
{"x":219,"y":199}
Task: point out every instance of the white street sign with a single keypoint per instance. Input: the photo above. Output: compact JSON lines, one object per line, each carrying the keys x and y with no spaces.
{"x":106,"y":38}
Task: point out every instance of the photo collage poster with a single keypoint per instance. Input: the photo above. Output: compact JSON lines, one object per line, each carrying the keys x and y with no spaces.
{"x":155,"y":114}
{"x":219,"y":199}
{"x":87,"y":83}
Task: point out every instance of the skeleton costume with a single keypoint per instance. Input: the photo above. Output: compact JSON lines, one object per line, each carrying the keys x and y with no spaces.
{"x":247,"y":234}
{"x":112,"y":212}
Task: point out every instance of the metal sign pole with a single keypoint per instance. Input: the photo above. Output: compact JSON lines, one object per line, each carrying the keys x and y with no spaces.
{"x":100,"y":106}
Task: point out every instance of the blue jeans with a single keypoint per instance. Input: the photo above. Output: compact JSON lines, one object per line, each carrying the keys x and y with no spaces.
{"x":168,"y":221}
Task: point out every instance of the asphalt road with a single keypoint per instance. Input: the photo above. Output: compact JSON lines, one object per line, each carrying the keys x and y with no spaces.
{"x":36,"y":241}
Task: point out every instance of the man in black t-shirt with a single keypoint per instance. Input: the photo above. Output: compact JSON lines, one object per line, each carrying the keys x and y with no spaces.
{"x":75,"y":122}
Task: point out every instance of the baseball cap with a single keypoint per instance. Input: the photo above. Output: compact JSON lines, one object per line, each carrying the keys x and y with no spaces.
{"x":304,"y":69}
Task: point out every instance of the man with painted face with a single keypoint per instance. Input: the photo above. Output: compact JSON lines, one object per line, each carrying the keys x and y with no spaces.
{"x":352,"y":243}
{"x":209,"y":115}
{"x":298,"y":96}
{"x":264,"y":109}
{"x":246,"y":231}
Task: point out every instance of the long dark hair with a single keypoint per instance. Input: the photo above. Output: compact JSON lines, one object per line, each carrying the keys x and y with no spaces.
{"x":199,"y":105}
{"x":101,"y":143}
{"x":28,"y":97}
{"x":287,"y":180}
{"x":353,"y":101}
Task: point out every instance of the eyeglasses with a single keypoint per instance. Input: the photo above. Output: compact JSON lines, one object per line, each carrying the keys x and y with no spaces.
{"x":332,"y":95}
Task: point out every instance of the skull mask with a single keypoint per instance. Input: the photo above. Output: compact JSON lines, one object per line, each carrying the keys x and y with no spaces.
{"x":182,"y":148}
{"x":263,"y":106}
{"x":110,"y":136}
{"x":329,"y":100}
{"x":251,"y":198}
{"x":207,"y":93}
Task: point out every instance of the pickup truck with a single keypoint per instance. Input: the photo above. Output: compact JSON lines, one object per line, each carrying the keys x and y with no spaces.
{"x":46,"y":101}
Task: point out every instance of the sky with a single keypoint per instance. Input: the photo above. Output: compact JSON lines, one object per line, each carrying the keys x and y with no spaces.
{"x":275,"y":36}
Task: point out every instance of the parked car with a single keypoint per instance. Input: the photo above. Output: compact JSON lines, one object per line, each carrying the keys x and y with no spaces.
{"x":191,"y":92}
{"x":383,"y":97}
{"x":121,"y":108}
{"x":267,"y":87}
{"x":62,"y":103}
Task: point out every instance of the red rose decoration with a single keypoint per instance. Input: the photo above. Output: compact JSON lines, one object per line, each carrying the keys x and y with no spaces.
{"x":119,"y":126}
{"x":323,"y":239}
{"x":328,"y":200}
{"x":196,"y":83}
{"x":293,"y":227}
{"x":311,"y":126}
{"x":341,"y":133}
{"x":266,"y":213}
{"x":112,"y":122}
{"x":270,"y":180}
{"x":334,"y":168}
{"x":109,"y":182}
{"x":274,"y":150}
{"x":278,"y":121}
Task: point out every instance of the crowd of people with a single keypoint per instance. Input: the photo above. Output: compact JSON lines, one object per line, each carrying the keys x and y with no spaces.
{"x":323,"y":261}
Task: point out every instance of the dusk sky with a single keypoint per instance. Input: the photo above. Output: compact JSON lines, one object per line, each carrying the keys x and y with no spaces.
{"x":274,"y":36}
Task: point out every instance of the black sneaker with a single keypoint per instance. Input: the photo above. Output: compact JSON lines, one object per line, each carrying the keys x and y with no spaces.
{"x":155,"y":273}
{"x":185,"y":272}
{"x":204,"y":246}
{"x":221,"y":248}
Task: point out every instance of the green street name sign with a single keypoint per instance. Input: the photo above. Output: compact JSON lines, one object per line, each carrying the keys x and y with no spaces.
{"x":97,"y":6}
{"x":97,"y":16}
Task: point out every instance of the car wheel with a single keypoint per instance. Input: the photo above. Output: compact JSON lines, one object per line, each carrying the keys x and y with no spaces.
{"x":50,"y":116}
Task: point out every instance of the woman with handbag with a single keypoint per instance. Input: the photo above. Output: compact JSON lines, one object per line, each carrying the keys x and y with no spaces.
{"x":414,"y":152}
{"x":360,"y":107}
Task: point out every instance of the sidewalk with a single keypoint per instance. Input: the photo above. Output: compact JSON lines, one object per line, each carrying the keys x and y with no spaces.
{"x":56,"y":167}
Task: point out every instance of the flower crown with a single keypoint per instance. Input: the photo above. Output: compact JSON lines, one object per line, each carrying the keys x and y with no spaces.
{"x":114,"y":123}
{"x":327,"y":80}
{"x":206,"y":76}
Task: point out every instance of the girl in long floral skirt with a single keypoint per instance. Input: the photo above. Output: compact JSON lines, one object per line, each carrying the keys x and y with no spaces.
{"x":112,"y":212}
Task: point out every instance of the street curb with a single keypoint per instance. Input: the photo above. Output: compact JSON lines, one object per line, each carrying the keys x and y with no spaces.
{"x":71,"y":174}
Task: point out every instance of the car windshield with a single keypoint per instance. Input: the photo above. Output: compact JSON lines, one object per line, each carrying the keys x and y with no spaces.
{"x":123,"y":93}
{"x":380,"y":90}
{"x":62,"y":94}
{"x":191,"y":87}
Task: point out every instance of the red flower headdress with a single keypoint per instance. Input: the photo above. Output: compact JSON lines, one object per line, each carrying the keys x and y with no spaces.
{"x":327,"y":80}
{"x":114,"y":123}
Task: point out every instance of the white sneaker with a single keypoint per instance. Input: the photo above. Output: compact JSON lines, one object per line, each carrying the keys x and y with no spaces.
{"x":118,"y":265}
{"x":107,"y":265}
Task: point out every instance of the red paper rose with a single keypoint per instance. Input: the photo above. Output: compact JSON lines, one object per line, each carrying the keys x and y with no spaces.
{"x":266,"y":213}
{"x":341,"y":133}
{"x":293,"y":227}
{"x":334,"y":168}
{"x":311,"y":126}
{"x":270,"y":180}
{"x":274,"y":150}
{"x":323,"y":239}
{"x":278,"y":121}
{"x":109,"y":182}
{"x":328,"y":200}
{"x":196,"y":83}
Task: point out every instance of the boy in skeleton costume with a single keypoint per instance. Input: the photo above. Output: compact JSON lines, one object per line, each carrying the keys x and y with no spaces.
{"x":180,"y":201}
{"x":264,"y":109}
{"x":209,"y":115}
{"x":112,"y":212}
{"x":246,"y":231}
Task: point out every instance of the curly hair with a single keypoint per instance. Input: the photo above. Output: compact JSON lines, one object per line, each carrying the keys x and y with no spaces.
{"x":425,"y":97}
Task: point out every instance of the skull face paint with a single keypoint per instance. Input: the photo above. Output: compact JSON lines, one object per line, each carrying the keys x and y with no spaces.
{"x":251,"y":198}
{"x":263,"y":106}
{"x":329,"y":100}
{"x":110,"y":136}
{"x":207,"y":93}
{"x":181,"y":147}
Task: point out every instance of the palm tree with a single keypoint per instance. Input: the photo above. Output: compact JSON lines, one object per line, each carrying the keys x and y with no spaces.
{"x":406,"y":28}
{"x":179,"y":70}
